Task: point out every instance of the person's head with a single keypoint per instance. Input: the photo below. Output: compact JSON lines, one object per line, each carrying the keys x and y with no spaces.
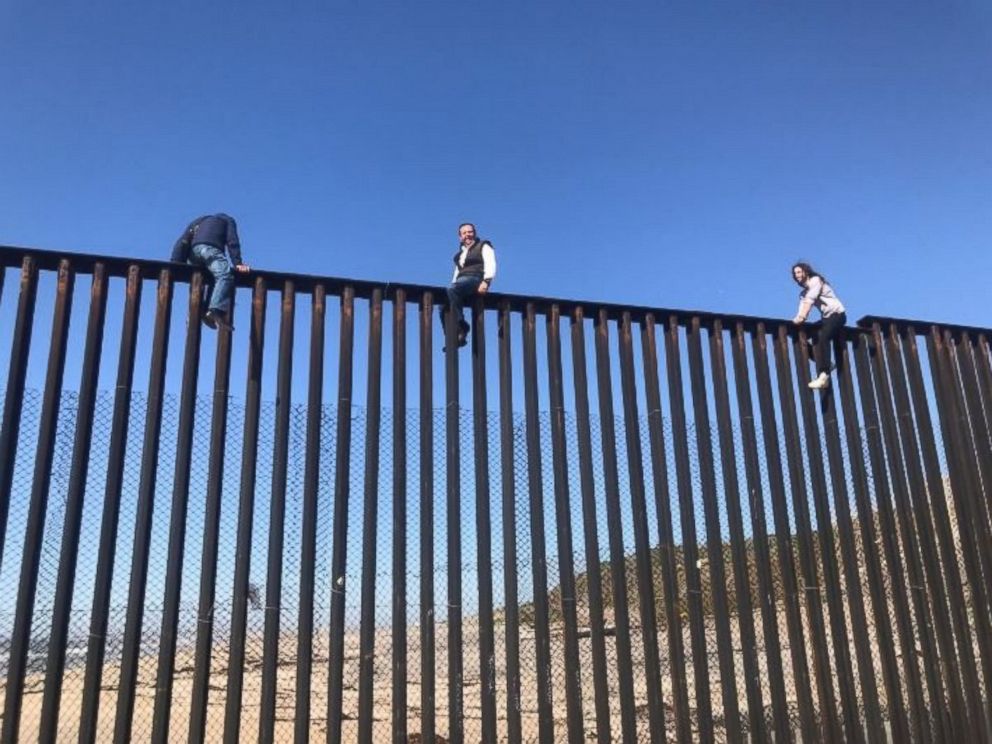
{"x":466,"y":233}
{"x":802,"y":271}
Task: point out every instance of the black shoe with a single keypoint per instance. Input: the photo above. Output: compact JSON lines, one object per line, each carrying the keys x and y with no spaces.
{"x":217,"y":319}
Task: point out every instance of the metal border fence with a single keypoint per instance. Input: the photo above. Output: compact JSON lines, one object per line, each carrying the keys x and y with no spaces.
{"x":698,"y":548}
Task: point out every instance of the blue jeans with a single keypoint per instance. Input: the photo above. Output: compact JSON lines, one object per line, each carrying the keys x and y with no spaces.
{"x":460,"y":291}
{"x":215,"y":261}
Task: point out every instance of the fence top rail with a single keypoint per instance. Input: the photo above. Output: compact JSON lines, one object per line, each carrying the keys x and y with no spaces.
{"x":13,"y":256}
{"x":923,"y":326}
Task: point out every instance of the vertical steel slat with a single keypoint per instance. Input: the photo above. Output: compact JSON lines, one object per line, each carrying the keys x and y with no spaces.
{"x":618,"y":573}
{"x":887,"y":532}
{"x":65,"y":584}
{"x":373,"y":413}
{"x":903,"y":513}
{"x":427,"y":653}
{"x":666,"y":539}
{"x":539,"y":563}
{"x":974,"y":421}
{"x":308,"y":531}
{"x":969,"y":474}
{"x":873,"y":571}
{"x":13,"y":402}
{"x":483,"y":526}
{"x":972,"y":527}
{"x":804,"y":529}
{"x":35,"y":528}
{"x":714,"y":540}
{"x":759,"y":530}
{"x":111,"y":511}
{"x":509,"y":516}
{"x":984,"y":373}
{"x":784,"y":538}
{"x":453,"y":494}
{"x":842,"y":513}
{"x":825,"y":539}
{"x":563,"y":520}
{"x":690,"y":549}
{"x":277,"y":523}
{"x":339,"y":549}
{"x":211,"y":533}
{"x":941,"y":612}
{"x":246,"y":514}
{"x":849,"y":556}
{"x":590,"y":526}
{"x":177,"y":523}
{"x":639,"y":515}
{"x":735,"y":522}
{"x":399,"y":601}
{"x":144,"y":512}
{"x":937,"y":498}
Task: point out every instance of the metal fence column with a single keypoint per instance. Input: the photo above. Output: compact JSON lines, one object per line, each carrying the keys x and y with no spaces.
{"x":427,"y":685}
{"x":38,"y":504}
{"x":277,"y":519}
{"x":55,"y":666}
{"x":399,"y":600}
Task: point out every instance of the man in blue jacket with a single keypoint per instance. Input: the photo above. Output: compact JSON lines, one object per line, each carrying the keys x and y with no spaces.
{"x":475,"y":270}
{"x":203,"y":243}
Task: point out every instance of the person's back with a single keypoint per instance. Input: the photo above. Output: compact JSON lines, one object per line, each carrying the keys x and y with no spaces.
{"x":206,"y":242}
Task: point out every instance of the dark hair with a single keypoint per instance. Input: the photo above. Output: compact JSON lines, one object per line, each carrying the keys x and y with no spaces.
{"x":808,"y":270}
{"x":468,"y":224}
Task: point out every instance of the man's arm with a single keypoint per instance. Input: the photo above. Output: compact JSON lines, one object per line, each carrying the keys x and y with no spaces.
{"x":813,"y":288}
{"x":232,"y":241}
{"x":180,"y":251}
{"x":488,"y":267}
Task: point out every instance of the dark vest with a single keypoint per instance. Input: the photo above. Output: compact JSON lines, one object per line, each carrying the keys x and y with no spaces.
{"x":473,"y":259}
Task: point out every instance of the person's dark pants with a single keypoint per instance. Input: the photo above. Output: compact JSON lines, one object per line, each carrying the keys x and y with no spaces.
{"x":459,"y":292}
{"x":830,"y":335}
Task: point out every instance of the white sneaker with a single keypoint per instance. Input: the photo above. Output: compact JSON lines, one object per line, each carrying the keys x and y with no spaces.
{"x":822,"y":380}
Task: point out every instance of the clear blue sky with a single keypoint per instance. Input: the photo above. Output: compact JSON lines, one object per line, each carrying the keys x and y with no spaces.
{"x":680,"y":155}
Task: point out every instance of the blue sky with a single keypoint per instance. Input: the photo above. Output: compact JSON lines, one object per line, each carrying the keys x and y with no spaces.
{"x":666,"y":154}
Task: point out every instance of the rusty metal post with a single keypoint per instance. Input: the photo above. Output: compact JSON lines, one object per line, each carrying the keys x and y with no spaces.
{"x":563,"y":523}
{"x":873,"y":570}
{"x":960,"y":708}
{"x":246,"y":513}
{"x":766,"y":598}
{"x":308,"y":531}
{"x":373,"y":412}
{"x":399,"y":600}
{"x":453,"y":502}
{"x":639,"y":516}
{"x":807,"y":550}
{"x":666,"y":539}
{"x":280,"y":464}
{"x":714,"y":540}
{"x":539,"y":564}
{"x":508,"y":485}
{"x":145,"y":509}
{"x":743,"y":606}
{"x":618,"y":573}
{"x":65,"y":583}
{"x":427,"y":643}
{"x":177,"y":524}
{"x":20,"y":348}
{"x":483,"y":526}
{"x":211,"y":530}
{"x":34,"y":531}
{"x":825,"y":538}
{"x":339,"y":549}
{"x":590,"y":526}
{"x":888,"y":533}
{"x":784,"y":539}
{"x":111,"y":511}
{"x":690,"y":548}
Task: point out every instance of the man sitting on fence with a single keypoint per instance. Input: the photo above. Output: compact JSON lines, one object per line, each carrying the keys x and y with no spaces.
{"x":203,"y":243}
{"x":475,"y":269}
